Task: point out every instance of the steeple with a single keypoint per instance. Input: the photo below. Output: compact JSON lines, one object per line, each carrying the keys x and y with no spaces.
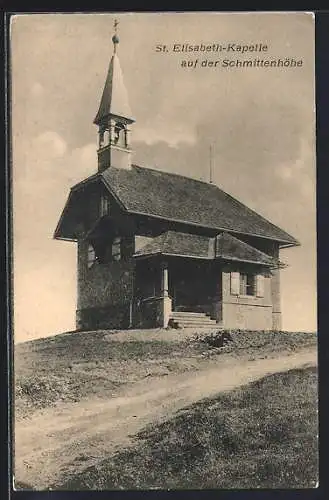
{"x":114,"y":117}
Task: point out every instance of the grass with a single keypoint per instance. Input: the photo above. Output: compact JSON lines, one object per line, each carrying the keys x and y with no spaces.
{"x":71,"y":367}
{"x":252,"y":341}
{"x":259,"y":436}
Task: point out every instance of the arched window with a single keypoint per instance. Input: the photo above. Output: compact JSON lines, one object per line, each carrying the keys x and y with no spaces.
{"x":119,"y":135}
{"x":101,"y":137}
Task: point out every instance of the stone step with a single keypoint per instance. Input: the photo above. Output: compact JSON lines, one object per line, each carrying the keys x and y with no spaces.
{"x":188,"y":314}
{"x":191,"y":318}
{"x":197,"y":327}
{"x":207,"y":323}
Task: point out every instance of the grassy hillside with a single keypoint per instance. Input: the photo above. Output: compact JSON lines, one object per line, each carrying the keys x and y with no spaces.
{"x":73,"y":366}
{"x":259,"y":436}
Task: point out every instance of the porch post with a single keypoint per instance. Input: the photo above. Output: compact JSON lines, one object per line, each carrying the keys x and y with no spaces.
{"x":164,"y":280}
{"x":166,"y":300}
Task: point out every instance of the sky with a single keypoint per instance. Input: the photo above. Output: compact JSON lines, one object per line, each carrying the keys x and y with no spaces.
{"x":260,"y":123}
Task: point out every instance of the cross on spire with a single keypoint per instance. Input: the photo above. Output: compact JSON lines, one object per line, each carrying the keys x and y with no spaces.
{"x":115,"y":38}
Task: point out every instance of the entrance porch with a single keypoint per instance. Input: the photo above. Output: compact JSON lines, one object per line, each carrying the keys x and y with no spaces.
{"x":196,"y":278}
{"x":177,"y":290}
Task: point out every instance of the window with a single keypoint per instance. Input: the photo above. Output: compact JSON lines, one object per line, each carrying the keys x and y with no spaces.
{"x":105,"y":206}
{"x":91,"y":256}
{"x":116,"y":248}
{"x":247,"y":284}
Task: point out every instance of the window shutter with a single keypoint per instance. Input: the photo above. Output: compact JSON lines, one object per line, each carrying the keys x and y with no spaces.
{"x":260,"y":282}
{"x":91,"y":256}
{"x":116,"y":248}
{"x":243,"y":283}
{"x":235,"y":283}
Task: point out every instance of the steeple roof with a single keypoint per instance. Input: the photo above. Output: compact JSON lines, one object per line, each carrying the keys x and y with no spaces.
{"x":114,"y":98}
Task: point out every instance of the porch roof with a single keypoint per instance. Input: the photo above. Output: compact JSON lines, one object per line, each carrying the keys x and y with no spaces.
{"x":224,"y":246}
{"x":230,"y":248}
{"x":179,"y":244}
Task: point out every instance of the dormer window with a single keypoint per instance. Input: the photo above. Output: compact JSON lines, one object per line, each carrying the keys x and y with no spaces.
{"x":105,"y":205}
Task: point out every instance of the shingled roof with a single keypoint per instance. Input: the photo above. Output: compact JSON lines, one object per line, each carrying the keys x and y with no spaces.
{"x":178,"y":198}
{"x":114,"y":99}
{"x":182,"y":244}
{"x":224,"y":246}
{"x":174,"y":197}
{"x":230,"y":248}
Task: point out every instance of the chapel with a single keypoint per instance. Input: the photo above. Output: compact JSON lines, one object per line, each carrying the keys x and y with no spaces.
{"x":157,"y":249}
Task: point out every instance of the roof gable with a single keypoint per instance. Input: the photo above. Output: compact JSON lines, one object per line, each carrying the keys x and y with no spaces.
{"x":82,"y":209}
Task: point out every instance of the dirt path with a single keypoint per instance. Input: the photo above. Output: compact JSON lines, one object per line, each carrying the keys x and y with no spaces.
{"x":61,"y":441}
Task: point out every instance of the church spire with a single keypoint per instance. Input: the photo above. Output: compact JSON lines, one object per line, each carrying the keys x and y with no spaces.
{"x":114,"y":116}
{"x":114,"y":99}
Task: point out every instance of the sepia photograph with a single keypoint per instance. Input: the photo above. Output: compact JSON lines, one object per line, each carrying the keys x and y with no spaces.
{"x":164,"y":251}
